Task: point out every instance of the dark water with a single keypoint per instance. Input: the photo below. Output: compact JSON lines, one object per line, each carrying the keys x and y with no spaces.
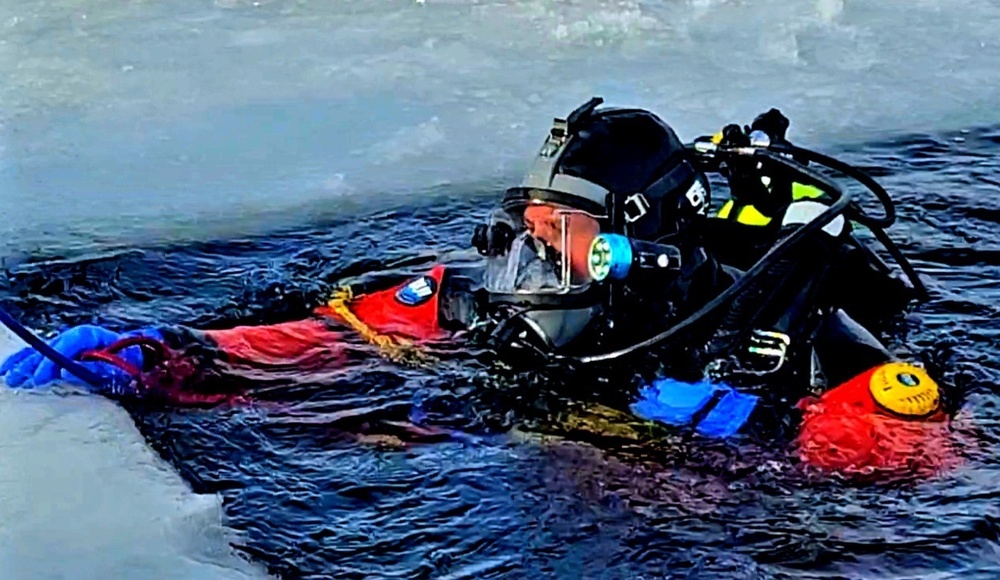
{"x":323,"y":479}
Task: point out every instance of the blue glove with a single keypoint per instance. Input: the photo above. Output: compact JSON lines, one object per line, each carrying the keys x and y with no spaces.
{"x":717,"y":409}
{"x":673,"y":402}
{"x":27,"y":368}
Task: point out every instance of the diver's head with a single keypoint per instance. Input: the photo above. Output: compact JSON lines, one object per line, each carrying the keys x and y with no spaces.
{"x":599,"y":171}
{"x":627,"y":163}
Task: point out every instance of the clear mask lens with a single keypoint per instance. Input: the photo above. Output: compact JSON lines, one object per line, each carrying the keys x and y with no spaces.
{"x":549,"y":252}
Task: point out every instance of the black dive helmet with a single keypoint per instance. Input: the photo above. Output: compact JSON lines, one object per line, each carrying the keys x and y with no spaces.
{"x":626,"y":164}
{"x":615,"y":170}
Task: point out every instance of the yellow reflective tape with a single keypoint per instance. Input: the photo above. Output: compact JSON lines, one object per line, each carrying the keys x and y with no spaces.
{"x":802,"y":191}
{"x":724,"y":211}
{"x":751,"y":217}
{"x":748,"y":215}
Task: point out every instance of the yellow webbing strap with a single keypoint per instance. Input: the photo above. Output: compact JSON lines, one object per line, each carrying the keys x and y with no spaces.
{"x":394,"y":348}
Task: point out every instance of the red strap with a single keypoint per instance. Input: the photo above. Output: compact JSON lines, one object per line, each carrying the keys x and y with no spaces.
{"x":151,"y":345}
{"x":166,"y":365}
{"x":112,"y":359}
{"x":110,"y":355}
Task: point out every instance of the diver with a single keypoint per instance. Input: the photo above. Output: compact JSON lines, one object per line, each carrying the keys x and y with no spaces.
{"x":605,"y":252}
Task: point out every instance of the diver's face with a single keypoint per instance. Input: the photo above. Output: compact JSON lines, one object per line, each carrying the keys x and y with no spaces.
{"x":563,"y":231}
{"x":542,"y":223}
{"x":538,"y":247}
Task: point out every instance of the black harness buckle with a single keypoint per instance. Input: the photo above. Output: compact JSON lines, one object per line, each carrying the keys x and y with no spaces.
{"x":636,"y":206}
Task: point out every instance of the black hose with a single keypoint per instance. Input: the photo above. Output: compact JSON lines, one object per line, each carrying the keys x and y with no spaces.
{"x":907,"y":267}
{"x":842,"y":201}
{"x":876,"y":225}
{"x":843,"y":204}
{"x":857,"y":215}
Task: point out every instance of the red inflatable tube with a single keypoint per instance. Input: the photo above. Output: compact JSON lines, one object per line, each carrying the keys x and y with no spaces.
{"x":408,"y":310}
{"x":888,"y":418}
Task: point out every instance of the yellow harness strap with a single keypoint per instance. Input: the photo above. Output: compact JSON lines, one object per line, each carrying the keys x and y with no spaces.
{"x":393,"y":348}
